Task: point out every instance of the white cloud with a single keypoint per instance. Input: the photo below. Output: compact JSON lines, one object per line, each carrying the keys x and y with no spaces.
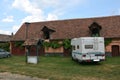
{"x":52,"y":17}
{"x":40,"y":10}
{"x":35,"y":14}
{"x":15,"y":28}
{"x":32,"y":18}
{"x":57,"y":3}
{"x":4,"y":32}
{"x":57,"y":7}
{"x":47,"y":3}
{"x":8,"y":19}
{"x":37,"y":8}
{"x":27,"y":6}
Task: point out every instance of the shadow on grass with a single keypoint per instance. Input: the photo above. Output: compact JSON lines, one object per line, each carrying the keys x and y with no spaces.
{"x":90,"y":63}
{"x":87,"y":63}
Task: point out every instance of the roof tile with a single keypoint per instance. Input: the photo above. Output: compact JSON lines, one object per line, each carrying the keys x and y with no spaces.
{"x":71,"y":28}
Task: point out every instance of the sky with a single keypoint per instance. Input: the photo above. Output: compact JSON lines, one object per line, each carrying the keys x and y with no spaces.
{"x":13,"y":13}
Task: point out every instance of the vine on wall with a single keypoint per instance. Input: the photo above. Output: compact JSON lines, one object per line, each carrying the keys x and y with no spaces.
{"x":19,"y":44}
{"x":55,"y":44}
{"x":108,"y":41}
{"x":67,"y":44}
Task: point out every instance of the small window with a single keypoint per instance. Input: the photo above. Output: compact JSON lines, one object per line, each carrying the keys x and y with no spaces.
{"x":77,"y":46}
{"x":95,"y":29}
{"x":46,"y":35}
{"x":73,"y":47}
{"x":88,"y":46}
{"x":47,"y":32}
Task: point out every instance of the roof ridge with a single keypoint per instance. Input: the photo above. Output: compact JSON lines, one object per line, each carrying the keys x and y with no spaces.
{"x":95,"y":17}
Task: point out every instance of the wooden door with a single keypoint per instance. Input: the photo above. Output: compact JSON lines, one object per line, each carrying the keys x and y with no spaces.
{"x":115,"y":50}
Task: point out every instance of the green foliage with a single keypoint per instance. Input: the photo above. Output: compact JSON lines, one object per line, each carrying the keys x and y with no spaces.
{"x":95,"y":35}
{"x":108,"y":41}
{"x":19,"y":44}
{"x":46,"y":44}
{"x":67,"y":44}
{"x":55,"y":44}
{"x":5,"y":46}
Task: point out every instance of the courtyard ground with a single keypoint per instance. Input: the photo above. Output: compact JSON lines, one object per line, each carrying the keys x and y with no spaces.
{"x":10,"y":76}
{"x":59,"y":68}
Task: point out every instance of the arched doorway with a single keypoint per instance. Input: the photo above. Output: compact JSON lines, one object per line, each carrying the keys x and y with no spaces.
{"x":115,"y":50}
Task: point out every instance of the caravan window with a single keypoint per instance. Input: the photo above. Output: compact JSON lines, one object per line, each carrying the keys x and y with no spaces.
{"x":73,"y":47}
{"x":77,"y":46}
{"x":88,"y":46}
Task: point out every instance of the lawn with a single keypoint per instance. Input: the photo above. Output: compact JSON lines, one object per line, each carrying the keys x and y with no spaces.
{"x":63,"y":68}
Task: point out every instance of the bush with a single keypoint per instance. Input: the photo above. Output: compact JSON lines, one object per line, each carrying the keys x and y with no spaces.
{"x":67,"y":44}
{"x":55,"y":44}
{"x":108,"y":41}
{"x":5,"y":46}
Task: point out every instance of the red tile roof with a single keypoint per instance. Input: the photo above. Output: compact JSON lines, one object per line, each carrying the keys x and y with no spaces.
{"x":5,"y":38}
{"x":71,"y":28}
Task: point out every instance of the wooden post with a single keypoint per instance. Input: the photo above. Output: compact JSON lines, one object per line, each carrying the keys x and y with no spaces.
{"x":27,"y":49}
{"x":37,"y":53}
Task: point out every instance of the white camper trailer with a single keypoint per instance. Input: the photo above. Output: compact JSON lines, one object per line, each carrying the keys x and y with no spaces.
{"x":88,"y":49}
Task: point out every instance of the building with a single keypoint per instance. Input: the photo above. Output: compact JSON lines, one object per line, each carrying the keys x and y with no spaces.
{"x":4,"y":41}
{"x":5,"y":38}
{"x":107,"y":27}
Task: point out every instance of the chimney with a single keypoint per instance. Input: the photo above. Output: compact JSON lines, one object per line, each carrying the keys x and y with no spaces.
{"x":27,"y":25}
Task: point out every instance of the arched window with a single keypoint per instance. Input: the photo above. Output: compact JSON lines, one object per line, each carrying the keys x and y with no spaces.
{"x":95,"y":29}
{"x":47,"y":32}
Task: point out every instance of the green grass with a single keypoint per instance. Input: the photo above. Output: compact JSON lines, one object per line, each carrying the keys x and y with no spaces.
{"x":62,"y":68}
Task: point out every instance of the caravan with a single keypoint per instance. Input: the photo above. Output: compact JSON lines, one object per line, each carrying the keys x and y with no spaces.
{"x":88,"y":49}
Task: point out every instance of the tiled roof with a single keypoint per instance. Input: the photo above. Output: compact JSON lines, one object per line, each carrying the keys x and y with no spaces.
{"x":71,"y":28}
{"x":4,"y":38}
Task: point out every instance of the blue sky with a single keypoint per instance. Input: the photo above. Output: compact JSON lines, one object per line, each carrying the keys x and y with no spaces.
{"x":13,"y":13}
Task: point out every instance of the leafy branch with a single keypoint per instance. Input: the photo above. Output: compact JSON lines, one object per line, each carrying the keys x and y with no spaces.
{"x":56,"y":44}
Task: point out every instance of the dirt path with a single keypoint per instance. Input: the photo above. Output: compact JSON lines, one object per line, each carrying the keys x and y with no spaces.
{"x":9,"y":76}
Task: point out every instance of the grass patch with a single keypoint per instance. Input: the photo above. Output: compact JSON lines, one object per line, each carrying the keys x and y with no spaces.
{"x":62,"y":68}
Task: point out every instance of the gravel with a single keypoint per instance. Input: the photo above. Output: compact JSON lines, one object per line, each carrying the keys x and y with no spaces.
{"x":10,"y":76}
